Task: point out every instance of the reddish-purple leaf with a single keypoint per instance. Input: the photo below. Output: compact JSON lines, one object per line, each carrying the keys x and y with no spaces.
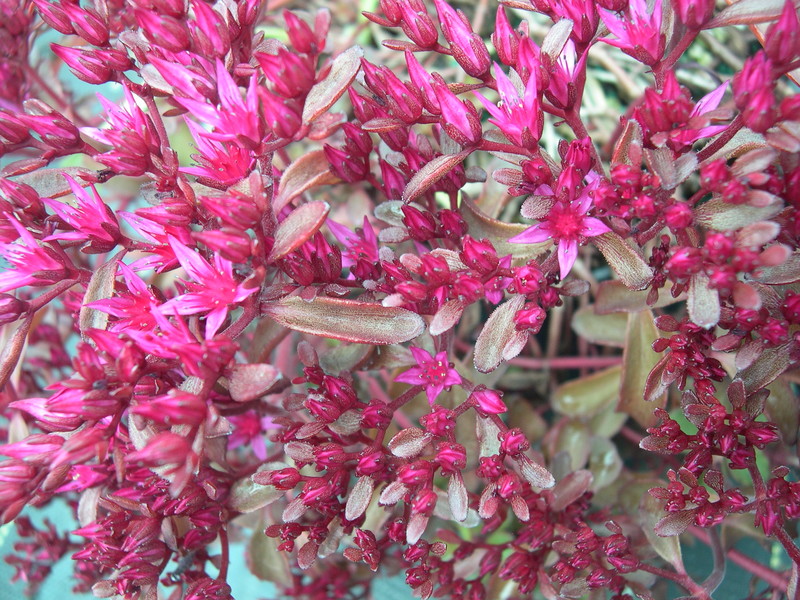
{"x":359,"y":498}
{"x":325,"y":93}
{"x":569,"y":489}
{"x":772,"y":363}
{"x":347,"y":320}
{"x":432,"y":172}
{"x":100,"y":287}
{"x":747,"y":12}
{"x":674,"y":523}
{"x":307,"y":555}
{"x":301,"y":224}
{"x":495,"y":334}
{"x":309,"y":170}
{"x":248,"y":382}
{"x":409,"y":443}
{"x":51,"y":183}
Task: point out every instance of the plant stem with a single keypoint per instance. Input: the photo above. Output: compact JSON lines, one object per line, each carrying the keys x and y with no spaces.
{"x":756,"y":568}
{"x":723,"y":139}
{"x":223,"y":569}
{"x":686,"y":582}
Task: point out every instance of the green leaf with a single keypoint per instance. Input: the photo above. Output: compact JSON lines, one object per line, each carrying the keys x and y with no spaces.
{"x":638,"y":359}
{"x":651,"y":512}
{"x":607,"y":330}
{"x":589,"y":395}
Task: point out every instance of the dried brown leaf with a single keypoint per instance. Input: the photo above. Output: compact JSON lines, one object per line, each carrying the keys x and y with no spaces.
{"x":747,"y":12}
{"x":51,"y":183}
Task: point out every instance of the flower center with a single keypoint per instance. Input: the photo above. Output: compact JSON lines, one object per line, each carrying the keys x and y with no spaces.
{"x":435,"y":372}
{"x":565,"y":224}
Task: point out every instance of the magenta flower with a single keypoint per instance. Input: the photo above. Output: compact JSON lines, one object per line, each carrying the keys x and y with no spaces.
{"x":234,"y":120}
{"x":213,"y":289}
{"x":131,"y":135}
{"x":33,"y":264}
{"x":519,"y":117}
{"x":434,"y":372}
{"x":358,"y":245}
{"x":639,"y":34}
{"x":567,"y":225}
{"x":134,"y":307}
{"x":92,"y":221}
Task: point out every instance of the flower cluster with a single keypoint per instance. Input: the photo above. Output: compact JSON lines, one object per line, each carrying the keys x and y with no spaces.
{"x":415,"y":304}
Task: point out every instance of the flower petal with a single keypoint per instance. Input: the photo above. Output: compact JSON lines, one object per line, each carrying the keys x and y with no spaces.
{"x":533,"y":235}
{"x":567,"y":255}
{"x":592,"y":227}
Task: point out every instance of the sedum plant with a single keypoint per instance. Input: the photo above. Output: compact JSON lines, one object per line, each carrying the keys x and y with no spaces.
{"x":501,"y":297}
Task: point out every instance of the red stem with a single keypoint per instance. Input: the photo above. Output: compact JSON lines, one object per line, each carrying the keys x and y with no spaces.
{"x":756,"y":568}
{"x":686,"y":582}
{"x":723,"y":139}
{"x":223,"y":569}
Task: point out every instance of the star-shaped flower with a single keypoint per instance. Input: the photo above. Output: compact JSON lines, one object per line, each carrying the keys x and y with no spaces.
{"x":567,"y":225}
{"x":434,"y":372}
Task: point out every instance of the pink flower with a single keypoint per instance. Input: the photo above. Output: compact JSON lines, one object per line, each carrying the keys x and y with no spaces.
{"x":568,"y":226}
{"x":92,"y":221}
{"x":359,"y":245}
{"x":519,"y":117}
{"x":212,"y":290}
{"x":33,"y":264}
{"x":234,"y":120}
{"x":435,"y":373}
{"x":639,"y":34}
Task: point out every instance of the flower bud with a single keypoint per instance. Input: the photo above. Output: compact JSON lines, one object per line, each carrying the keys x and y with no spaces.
{"x":11,"y":308}
{"x":513,"y":442}
{"x":451,"y":457}
{"x":488,"y":401}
